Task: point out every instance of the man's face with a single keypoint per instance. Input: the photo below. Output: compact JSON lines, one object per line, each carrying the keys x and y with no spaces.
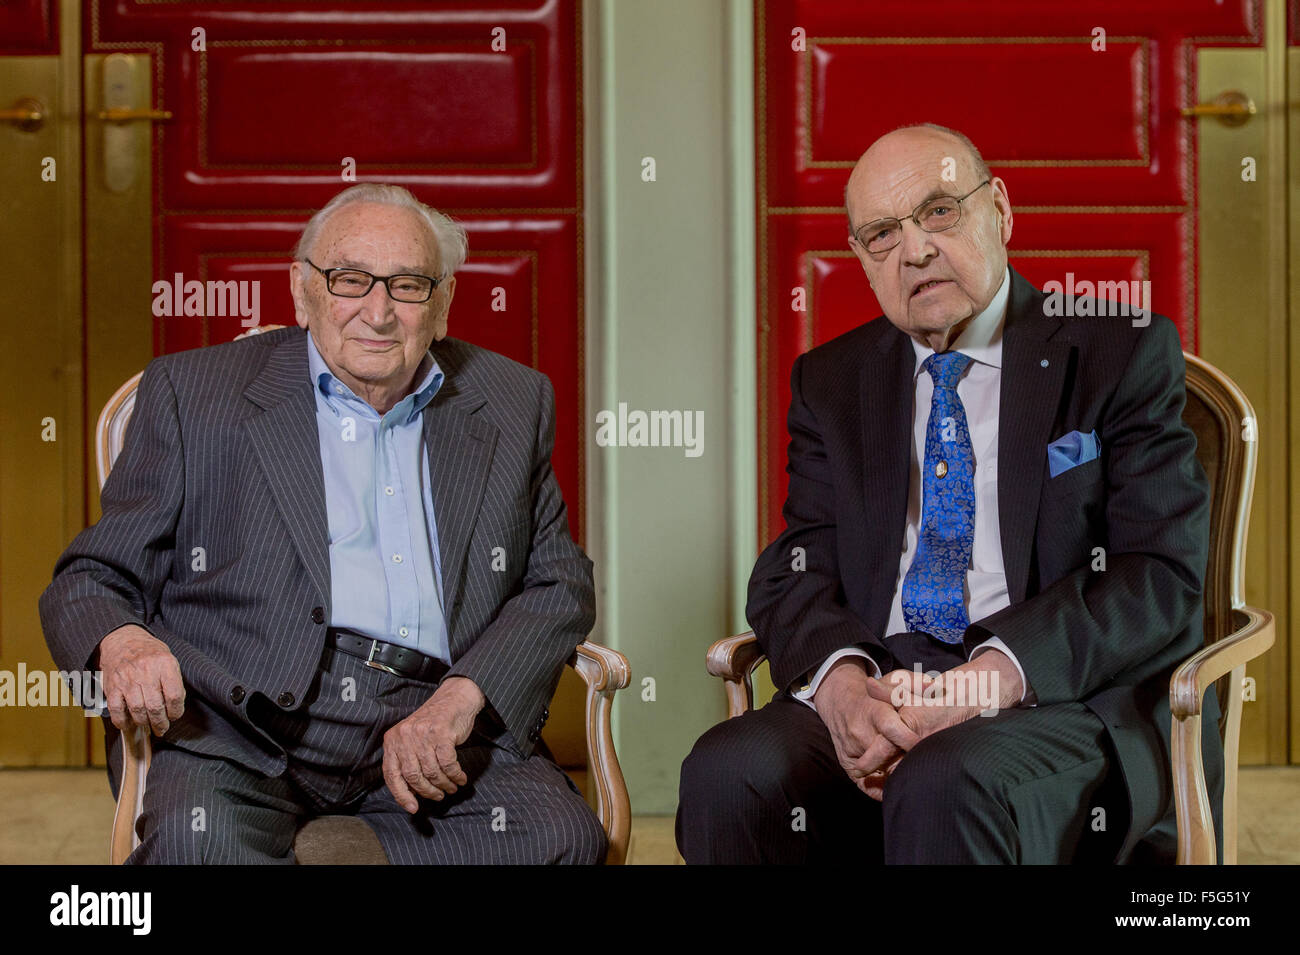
{"x":372,"y":343}
{"x":931,"y":283}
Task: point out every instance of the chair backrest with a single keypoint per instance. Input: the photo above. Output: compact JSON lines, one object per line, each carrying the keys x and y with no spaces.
{"x":110,"y":430}
{"x":1226,"y":445}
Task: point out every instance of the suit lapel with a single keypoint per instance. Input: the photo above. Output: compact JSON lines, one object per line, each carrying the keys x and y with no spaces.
{"x":1033,"y":374}
{"x":285,"y":440}
{"x":887,"y":456}
{"x":459,"y":443}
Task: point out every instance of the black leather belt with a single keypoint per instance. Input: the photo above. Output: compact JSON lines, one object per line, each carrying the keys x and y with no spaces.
{"x":390,"y":657}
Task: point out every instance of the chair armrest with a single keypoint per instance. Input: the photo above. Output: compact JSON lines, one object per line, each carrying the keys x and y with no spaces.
{"x":735,"y":659}
{"x":1187,"y":689}
{"x":605,"y":672}
{"x":1189,"y":682}
{"x":137,"y":753}
{"x":600,"y":667}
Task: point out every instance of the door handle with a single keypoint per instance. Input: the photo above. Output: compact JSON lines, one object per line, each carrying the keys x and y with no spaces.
{"x":27,"y":113}
{"x":121,"y":115}
{"x":1231,"y":108}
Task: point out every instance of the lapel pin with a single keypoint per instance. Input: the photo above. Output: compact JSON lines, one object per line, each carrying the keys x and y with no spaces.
{"x":1043,"y":363}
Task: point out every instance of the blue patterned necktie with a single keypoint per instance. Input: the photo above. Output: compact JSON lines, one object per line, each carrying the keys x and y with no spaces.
{"x":933,"y":590}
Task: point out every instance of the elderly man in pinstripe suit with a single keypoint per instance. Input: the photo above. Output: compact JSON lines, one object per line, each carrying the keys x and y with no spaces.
{"x":334,"y":572}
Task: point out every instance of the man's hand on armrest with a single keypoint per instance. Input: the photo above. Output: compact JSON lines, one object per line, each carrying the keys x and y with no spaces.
{"x":420,"y":751}
{"x":869,"y":735}
{"x":142,"y":680}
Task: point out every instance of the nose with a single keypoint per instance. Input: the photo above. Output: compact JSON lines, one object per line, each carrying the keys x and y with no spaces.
{"x":376,"y":307}
{"x":917,"y":244}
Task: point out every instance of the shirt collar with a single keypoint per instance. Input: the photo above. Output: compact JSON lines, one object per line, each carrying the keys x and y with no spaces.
{"x":325,"y":382}
{"x":982,"y":338}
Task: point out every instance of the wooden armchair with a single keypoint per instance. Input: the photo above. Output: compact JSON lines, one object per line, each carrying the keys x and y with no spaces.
{"x":338,"y":840}
{"x":1224,"y":423}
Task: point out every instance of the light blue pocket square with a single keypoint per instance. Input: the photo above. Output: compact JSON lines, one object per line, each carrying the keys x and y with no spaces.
{"x":1071,"y":450}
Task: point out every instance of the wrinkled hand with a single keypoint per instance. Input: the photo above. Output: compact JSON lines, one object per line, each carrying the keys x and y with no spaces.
{"x":869,"y":735}
{"x":893,"y":688}
{"x":142,"y":680}
{"x":420,"y":751}
{"x":926,"y":708}
{"x":928,"y":713}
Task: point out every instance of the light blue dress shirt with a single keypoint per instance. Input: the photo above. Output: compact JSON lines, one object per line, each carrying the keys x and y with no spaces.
{"x":385,"y":570}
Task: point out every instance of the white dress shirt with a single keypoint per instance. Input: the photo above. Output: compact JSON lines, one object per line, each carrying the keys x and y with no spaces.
{"x":979,"y":389}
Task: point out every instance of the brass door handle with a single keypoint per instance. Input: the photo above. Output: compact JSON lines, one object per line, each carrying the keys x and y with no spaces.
{"x":1231,"y":108}
{"x":120,"y":115}
{"x":27,"y":113}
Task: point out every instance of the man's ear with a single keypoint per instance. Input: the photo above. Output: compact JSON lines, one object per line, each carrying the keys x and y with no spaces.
{"x":1002,"y":203}
{"x":298,"y":289}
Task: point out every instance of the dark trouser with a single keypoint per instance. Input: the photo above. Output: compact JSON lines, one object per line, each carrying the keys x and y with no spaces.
{"x":203,"y":809}
{"x":1023,"y":786}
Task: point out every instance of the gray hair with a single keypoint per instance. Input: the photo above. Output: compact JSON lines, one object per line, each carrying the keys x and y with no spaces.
{"x":453,"y":246}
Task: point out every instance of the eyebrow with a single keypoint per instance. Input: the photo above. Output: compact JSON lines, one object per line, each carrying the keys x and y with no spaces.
{"x":935,"y":193}
{"x":363,"y":267}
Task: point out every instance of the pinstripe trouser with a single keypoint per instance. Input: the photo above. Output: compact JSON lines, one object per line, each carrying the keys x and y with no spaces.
{"x":200,"y":809}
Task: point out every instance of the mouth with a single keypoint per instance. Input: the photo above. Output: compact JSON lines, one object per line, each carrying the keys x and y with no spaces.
{"x":376,"y":343}
{"x":929,"y":286}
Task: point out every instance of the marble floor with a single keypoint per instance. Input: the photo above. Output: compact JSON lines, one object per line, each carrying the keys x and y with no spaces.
{"x":64,"y":816}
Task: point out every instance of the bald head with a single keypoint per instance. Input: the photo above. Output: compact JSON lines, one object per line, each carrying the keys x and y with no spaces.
{"x":929,"y":284}
{"x":964,"y":155}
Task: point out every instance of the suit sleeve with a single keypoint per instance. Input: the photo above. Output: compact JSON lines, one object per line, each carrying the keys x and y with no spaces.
{"x":517,"y":660}
{"x":1083,"y":630}
{"x":112,"y":574}
{"x":796,"y":601}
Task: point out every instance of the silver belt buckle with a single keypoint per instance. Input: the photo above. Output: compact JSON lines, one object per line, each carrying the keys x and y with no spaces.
{"x":370,"y":660}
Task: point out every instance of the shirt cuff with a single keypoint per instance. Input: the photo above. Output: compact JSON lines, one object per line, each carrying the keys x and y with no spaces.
{"x":808,"y":690}
{"x":1027,"y":697}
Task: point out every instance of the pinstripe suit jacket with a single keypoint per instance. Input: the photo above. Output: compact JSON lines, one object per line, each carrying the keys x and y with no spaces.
{"x":222,"y":454}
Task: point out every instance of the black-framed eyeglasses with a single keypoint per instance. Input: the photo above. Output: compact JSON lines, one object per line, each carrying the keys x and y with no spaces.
{"x":357,"y":283}
{"x":933,"y":215}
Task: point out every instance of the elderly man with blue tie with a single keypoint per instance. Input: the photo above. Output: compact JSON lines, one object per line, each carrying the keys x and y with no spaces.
{"x":961,"y":679}
{"x":334,"y":572}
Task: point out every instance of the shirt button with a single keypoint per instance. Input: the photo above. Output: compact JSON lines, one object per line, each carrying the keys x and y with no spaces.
{"x":388,"y":491}
{"x":403,"y":631}
{"x":397,"y":558}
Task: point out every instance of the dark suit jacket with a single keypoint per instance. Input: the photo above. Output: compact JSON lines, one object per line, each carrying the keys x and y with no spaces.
{"x":1107,"y":638}
{"x":222,"y":453}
